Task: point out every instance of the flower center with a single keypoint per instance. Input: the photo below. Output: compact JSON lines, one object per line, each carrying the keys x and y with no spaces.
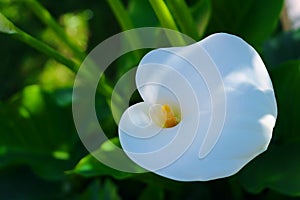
{"x":164,"y":116}
{"x":170,"y":120}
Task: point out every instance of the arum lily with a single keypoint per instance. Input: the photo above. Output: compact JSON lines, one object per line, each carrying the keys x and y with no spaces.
{"x":209,"y":108}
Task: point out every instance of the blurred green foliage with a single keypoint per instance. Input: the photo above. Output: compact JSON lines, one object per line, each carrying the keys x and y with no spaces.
{"x":41,"y":156}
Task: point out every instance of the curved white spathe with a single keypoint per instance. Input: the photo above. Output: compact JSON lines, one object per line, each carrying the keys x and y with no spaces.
{"x":224,"y":96}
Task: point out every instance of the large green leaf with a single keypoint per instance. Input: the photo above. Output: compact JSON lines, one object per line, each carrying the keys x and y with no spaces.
{"x":252,"y":20}
{"x":278,"y":168}
{"x":286,"y":82}
{"x":283,"y":47}
{"x":37,"y":132}
{"x":201,"y":12}
{"x":138,"y":8}
{"x":89,"y":166}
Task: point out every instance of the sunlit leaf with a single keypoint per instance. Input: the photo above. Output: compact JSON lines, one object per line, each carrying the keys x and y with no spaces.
{"x":89,"y":166}
{"x":76,"y":26}
{"x":55,"y":75}
{"x":6,"y":26}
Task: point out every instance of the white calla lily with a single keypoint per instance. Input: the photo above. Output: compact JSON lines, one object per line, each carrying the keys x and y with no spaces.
{"x":209,"y":108}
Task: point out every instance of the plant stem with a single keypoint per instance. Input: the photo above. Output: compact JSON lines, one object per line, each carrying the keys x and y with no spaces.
{"x":166,"y":20}
{"x":126,"y":23}
{"x":164,"y":16}
{"x":121,"y":14}
{"x":184,"y":18}
{"x":33,"y":42}
{"x":44,"y":15}
{"x":10,"y":29}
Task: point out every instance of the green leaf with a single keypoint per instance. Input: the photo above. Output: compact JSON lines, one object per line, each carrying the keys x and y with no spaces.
{"x":286,"y":82}
{"x":99,"y":190}
{"x":285,"y":46}
{"x":37,"y":132}
{"x":201,"y":12}
{"x":250,"y":19}
{"x":152,"y":192}
{"x":91,"y":192}
{"x":278,"y":168}
{"x":138,"y":8}
{"x":89,"y":166}
{"x":109,"y":191}
{"x":6,"y":26}
{"x":183,"y":17}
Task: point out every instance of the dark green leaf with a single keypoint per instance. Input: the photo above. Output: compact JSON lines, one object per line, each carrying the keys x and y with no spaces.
{"x":250,"y":19}
{"x":109,"y":191}
{"x":98,"y":190}
{"x":38,"y":133}
{"x":278,"y":168}
{"x":286,"y":82}
{"x":19,"y":183}
{"x":202,"y":13}
{"x":141,"y":13}
{"x":152,"y":192}
{"x":284,"y":47}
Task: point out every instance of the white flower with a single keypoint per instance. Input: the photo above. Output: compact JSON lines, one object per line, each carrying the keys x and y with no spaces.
{"x":209,"y":108}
